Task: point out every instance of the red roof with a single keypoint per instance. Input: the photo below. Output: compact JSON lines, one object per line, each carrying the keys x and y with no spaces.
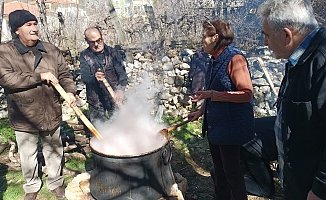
{"x":31,"y":6}
{"x":16,"y":5}
{"x":56,"y":2}
{"x":61,"y":1}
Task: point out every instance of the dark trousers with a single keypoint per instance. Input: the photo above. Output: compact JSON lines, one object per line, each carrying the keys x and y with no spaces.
{"x":300,"y":174}
{"x":260,"y":180}
{"x":256,"y":156}
{"x":229,"y":182}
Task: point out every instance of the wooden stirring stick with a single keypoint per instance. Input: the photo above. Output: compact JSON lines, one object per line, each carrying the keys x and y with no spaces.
{"x":79,"y":113}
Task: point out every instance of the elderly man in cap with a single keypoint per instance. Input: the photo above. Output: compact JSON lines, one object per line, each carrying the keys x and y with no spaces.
{"x":28,"y":67}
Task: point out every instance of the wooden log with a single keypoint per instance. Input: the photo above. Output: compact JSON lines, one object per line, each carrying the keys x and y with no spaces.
{"x":268,"y":77}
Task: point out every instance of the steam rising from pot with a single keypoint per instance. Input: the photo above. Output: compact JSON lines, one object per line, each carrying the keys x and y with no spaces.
{"x":132,"y":129}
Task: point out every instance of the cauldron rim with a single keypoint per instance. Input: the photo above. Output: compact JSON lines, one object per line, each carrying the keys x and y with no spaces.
{"x":166,"y":137}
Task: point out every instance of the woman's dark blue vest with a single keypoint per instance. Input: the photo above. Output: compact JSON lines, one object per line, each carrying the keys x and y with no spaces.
{"x":226,"y":123}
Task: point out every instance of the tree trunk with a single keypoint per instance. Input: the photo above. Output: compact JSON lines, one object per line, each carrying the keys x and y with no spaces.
{"x":42,"y":10}
{"x":120,"y":32}
{"x":1,"y":18}
{"x":153,"y":22}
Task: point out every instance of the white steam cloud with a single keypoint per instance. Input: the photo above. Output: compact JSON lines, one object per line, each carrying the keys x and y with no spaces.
{"x":132,"y":129}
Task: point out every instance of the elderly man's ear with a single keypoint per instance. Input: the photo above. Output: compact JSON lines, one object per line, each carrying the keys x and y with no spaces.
{"x":288,"y":36}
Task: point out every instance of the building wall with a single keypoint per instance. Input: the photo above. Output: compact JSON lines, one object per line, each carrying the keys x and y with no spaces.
{"x":128,"y":8}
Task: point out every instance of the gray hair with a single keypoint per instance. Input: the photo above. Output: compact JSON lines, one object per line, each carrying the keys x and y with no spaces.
{"x":295,"y":14}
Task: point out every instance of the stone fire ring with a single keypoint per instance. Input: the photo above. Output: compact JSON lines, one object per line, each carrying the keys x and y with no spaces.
{"x":79,"y":188}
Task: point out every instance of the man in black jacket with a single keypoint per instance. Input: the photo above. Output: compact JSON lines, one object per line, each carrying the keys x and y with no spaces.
{"x":99,"y":62}
{"x":292,"y":32}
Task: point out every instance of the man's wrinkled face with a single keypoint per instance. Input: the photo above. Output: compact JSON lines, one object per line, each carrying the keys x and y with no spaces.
{"x":95,"y":40}
{"x":28,"y":33}
{"x":275,"y":42}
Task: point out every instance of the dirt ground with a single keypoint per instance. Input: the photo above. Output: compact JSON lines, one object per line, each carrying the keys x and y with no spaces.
{"x":194,"y":165}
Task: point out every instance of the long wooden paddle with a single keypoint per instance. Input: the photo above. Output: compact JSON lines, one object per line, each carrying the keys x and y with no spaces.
{"x":79,"y":113}
{"x":165,"y":131}
{"x":108,"y":87}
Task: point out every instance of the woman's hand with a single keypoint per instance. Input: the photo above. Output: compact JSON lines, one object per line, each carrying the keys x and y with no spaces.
{"x":201,"y":95}
{"x":195,"y":115}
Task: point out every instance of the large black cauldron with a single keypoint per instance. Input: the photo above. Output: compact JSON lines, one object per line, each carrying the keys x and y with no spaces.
{"x":141,"y":177}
